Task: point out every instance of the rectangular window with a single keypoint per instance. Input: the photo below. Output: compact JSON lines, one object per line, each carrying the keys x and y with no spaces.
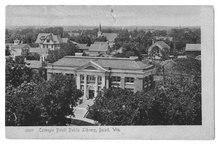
{"x":146,"y":83}
{"x":82,"y":87}
{"x":129,"y":80}
{"x":70,"y":76}
{"x":116,"y":79}
{"x":99,"y":80}
{"x":81,"y":78}
{"x":91,"y":79}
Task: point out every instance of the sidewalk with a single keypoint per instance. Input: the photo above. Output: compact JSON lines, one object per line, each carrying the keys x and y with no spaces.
{"x":81,"y":110}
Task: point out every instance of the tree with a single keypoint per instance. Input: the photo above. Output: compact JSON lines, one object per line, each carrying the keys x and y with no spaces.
{"x":59,"y":99}
{"x":178,"y":102}
{"x":65,"y":49}
{"x":17,"y":72}
{"x":33,"y":56}
{"x":23,"y":107}
{"x":7,"y":51}
{"x":101,"y":39}
{"x":41,"y":103}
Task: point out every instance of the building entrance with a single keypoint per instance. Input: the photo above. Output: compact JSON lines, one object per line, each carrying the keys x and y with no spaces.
{"x":91,"y":94}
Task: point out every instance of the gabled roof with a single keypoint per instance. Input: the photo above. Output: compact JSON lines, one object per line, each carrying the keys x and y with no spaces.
{"x":43,"y":36}
{"x":110,"y":36}
{"x":105,"y":62}
{"x":193,"y":47}
{"x":99,"y":47}
{"x":162,"y":45}
{"x":19,"y":46}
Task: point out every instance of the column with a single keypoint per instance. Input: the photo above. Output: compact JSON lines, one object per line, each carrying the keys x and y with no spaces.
{"x":78,"y":81}
{"x":107,"y":82}
{"x":122,"y":83}
{"x":103,"y":81}
{"x":96,"y":85}
{"x":85,"y":86}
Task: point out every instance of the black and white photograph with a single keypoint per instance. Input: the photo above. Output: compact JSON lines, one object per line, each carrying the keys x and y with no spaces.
{"x":108,"y":69}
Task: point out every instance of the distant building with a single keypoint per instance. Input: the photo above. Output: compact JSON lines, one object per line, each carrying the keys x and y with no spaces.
{"x":19,"y":49}
{"x":98,"y":48}
{"x":83,"y":48}
{"x":43,"y":52}
{"x":159,"y":51}
{"x":109,"y":36}
{"x":164,"y":38}
{"x":95,"y":73}
{"x":49,"y":41}
{"x":193,"y":50}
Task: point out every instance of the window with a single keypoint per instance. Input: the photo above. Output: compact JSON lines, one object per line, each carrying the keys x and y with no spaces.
{"x":81,"y":78}
{"x":116,"y":79}
{"x":82,"y":87}
{"x":99,"y":79}
{"x":146,"y":83}
{"x":70,"y":76}
{"x":129,"y":80}
{"x":90,"y":79}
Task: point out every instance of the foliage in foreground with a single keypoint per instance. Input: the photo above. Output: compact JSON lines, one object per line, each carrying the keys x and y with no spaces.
{"x":46,"y":103}
{"x":178,"y":102}
{"x":162,"y":106}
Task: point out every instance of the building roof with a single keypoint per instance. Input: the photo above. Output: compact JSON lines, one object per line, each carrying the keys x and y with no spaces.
{"x":43,"y":36}
{"x":162,"y":44}
{"x":110,"y":36}
{"x":193,"y":47}
{"x":34,"y":63}
{"x":41,"y":51}
{"x":20,"y":46}
{"x":99,"y":47}
{"x":105,"y":62}
{"x":82,"y":46}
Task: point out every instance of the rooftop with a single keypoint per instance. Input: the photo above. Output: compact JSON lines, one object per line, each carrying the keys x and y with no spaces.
{"x":34,"y":63}
{"x":110,"y":36}
{"x":43,"y":36}
{"x":161,"y":44}
{"x":99,"y":46}
{"x":193,"y":47}
{"x":39,"y":50}
{"x":20,"y":46}
{"x":105,"y":62}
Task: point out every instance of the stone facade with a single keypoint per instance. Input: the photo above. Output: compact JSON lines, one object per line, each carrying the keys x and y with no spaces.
{"x":92,"y":76}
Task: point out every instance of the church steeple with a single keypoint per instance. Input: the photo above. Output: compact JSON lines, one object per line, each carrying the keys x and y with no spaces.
{"x":100,"y":31}
{"x":100,"y":28}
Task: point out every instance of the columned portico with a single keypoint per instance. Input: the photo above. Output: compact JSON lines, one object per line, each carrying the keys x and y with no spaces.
{"x":93,"y":74}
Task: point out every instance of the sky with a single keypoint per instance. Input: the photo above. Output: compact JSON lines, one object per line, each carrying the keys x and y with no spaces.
{"x":105,"y":15}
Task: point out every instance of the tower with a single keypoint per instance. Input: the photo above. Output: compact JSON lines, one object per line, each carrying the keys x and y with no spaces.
{"x":100,"y":31}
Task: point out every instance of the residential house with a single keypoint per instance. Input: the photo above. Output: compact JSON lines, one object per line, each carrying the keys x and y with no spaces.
{"x":159,"y":51}
{"x":193,"y":50}
{"x":49,"y":41}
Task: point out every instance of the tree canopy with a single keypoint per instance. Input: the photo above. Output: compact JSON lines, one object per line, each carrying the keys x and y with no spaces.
{"x":44,"y":103}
